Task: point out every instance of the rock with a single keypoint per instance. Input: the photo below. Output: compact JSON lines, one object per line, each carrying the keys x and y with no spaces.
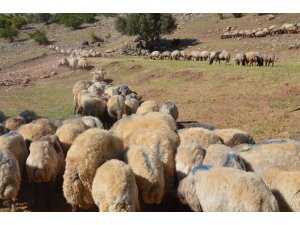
{"x":85,"y":43}
{"x":109,"y":50}
{"x":270,"y":17}
{"x":53,"y":73}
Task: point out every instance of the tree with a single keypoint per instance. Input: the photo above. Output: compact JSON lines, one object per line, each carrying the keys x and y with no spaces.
{"x":149,"y":26}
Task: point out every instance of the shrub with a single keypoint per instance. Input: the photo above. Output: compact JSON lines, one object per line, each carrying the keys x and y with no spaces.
{"x":5,"y":21}
{"x":109,"y":14}
{"x":39,"y":37}
{"x":18,"y":22}
{"x":95,"y":38}
{"x":9,"y":33}
{"x":87,"y":17}
{"x":41,"y":17}
{"x":237,"y":15}
{"x":70,"y":20}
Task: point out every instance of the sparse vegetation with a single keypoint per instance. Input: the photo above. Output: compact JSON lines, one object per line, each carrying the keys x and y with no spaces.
{"x":5,"y":21}
{"x":18,"y":22}
{"x":9,"y":33}
{"x":70,"y":20}
{"x":148,"y":25}
{"x":95,"y":38}
{"x":39,"y":37}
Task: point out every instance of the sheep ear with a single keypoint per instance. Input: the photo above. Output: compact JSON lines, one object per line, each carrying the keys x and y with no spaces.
{"x":56,"y":144}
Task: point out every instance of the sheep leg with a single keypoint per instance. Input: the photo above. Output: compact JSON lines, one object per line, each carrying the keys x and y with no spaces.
{"x":13,"y":205}
{"x":74,"y":208}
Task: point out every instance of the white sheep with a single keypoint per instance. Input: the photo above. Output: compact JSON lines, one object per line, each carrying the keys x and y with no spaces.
{"x":113,"y":193}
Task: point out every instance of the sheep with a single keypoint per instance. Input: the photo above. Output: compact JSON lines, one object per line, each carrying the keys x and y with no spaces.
{"x":175,"y":55}
{"x":202,"y":136}
{"x":14,"y":122}
{"x":116,"y":107}
{"x":253,"y":57}
{"x":195,"y":55}
{"x":73,"y":62}
{"x":188,"y":155}
{"x":98,"y":75}
{"x":182,"y":55}
{"x":165,"y":55}
{"x":88,"y":151}
{"x":154,"y":55}
{"x":111,"y":91}
{"x":233,"y":137}
{"x":125,"y":90}
{"x":79,"y":86}
{"x":131,"y":105}
{"x":269,"y":59}
{"x":204,"y":55}
{"x":218,"y":56}
{"x":92,"y":122}
{"x":63,"y":62}
{"x":15,"y":143}
{"x":169,"y":107}
{"x":282,"y":152}
{"x":97,"y":88}
{"x":285,"y":185}
{"x":68,"y":132}
{"x":240,"y":59}
{"x":82,"y":63}
{"x":47,"y":124}
{"x":113,"y":193}
{"x":228,"y":189}
{"x":10,"y":177}
{"x":29,"y":116}
{"x":148,"y":171}
{"x":164,"y":143}
{"x":148,"y":106}
{"x":45,"y":161}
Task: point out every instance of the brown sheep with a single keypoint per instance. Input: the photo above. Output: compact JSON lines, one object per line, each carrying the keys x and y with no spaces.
{"x":14,"y":122}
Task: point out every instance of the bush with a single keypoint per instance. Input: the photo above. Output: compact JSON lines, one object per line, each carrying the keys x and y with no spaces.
{"x":9,"y":33}
{"x":41,"y":17}
{"x":87,"y":17}
{"x":5,"y":21}
{"x":95,"y":38}
{"x":39,"y":37}
{"x":109,"y":14}
{"x":237,"y":15}
{"x":70,"y":20}
{"x":18,"y":22}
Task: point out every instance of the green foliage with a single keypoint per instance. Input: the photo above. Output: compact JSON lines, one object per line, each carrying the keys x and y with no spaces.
{"x":41,"y":17}
{"x":9,"y":33}
{"x":220,"y":15}
{"x":95,"y":38}
{"x":39,"y":37}
{"x":5,"y":21}
{"x":70,"y":20}
{"x":109,"y":14}
{"x":87,"y":17}
{"x":237,"y":15}
{"x":148,"y":25}
{"x":18,"y":22}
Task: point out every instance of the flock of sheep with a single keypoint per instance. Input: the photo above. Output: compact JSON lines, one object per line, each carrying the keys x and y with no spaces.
{"x":248,"y":58}
{"x":287,"y":28}
{"x":121,"y":153}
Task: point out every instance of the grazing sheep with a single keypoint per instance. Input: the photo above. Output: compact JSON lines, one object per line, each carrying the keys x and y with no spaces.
{"x":195,"y":56}
{"x":164,"y":143}
{"x":154,"y":55}
{"x":285,"y":185}
{"x":29,"y":116}
{"x":175,"y":55}
{"x":15,"y":143}
{"x":79,"y":86}
{"x":14,"y":122}
{"x":92,"y":122}
{"x":269,"y":59}
{"x":148,"y":171}
{"x":165,"y":55}
{"x":254,"y":57}
{"x":233,"y":137}
{"x":73,"y":62}
{"x":282,"y":152}
{"x":218,"y":56}
{"x":131,"y":105}
{"x":88,"y":151}
{"x":188,"y":156}
{"x":202,"y":136}
{"x":113,"y":193}
{"x":45,"y":161}
{"x":98,"y":75}
{"x":116,"y":107}
{"x":170,"y":108}
{"x":148,"y":106}
{"x":63,"y":62}
{"x":182,"y":55}
{"x":10,"y":177}
{"x":227,"y":189}
{"x":33,"y":132}
{"x":204,"y":55}
{"x":68,"y":132}
{"x":240,"y":59}
{"x":82,"y":63}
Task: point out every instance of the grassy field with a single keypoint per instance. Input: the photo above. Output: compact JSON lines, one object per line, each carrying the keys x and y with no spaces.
{"x":256,"y":99}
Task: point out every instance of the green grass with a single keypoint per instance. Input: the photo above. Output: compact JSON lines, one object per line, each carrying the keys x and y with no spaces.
{"x":249,"y":98}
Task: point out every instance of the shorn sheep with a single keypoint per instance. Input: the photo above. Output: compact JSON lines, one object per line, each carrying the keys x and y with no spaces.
{"x":45,"y":161}
{"x":233,"y":137}
{"x":169,"y":107}
{"x":148,"y":171}
{"x":88,"y":151}
{"x":227,"y":189}
{"x":10,"y":177}
{"x":113,"y":193}
{"x":15,"y":143}
{"x":285,"y":185}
